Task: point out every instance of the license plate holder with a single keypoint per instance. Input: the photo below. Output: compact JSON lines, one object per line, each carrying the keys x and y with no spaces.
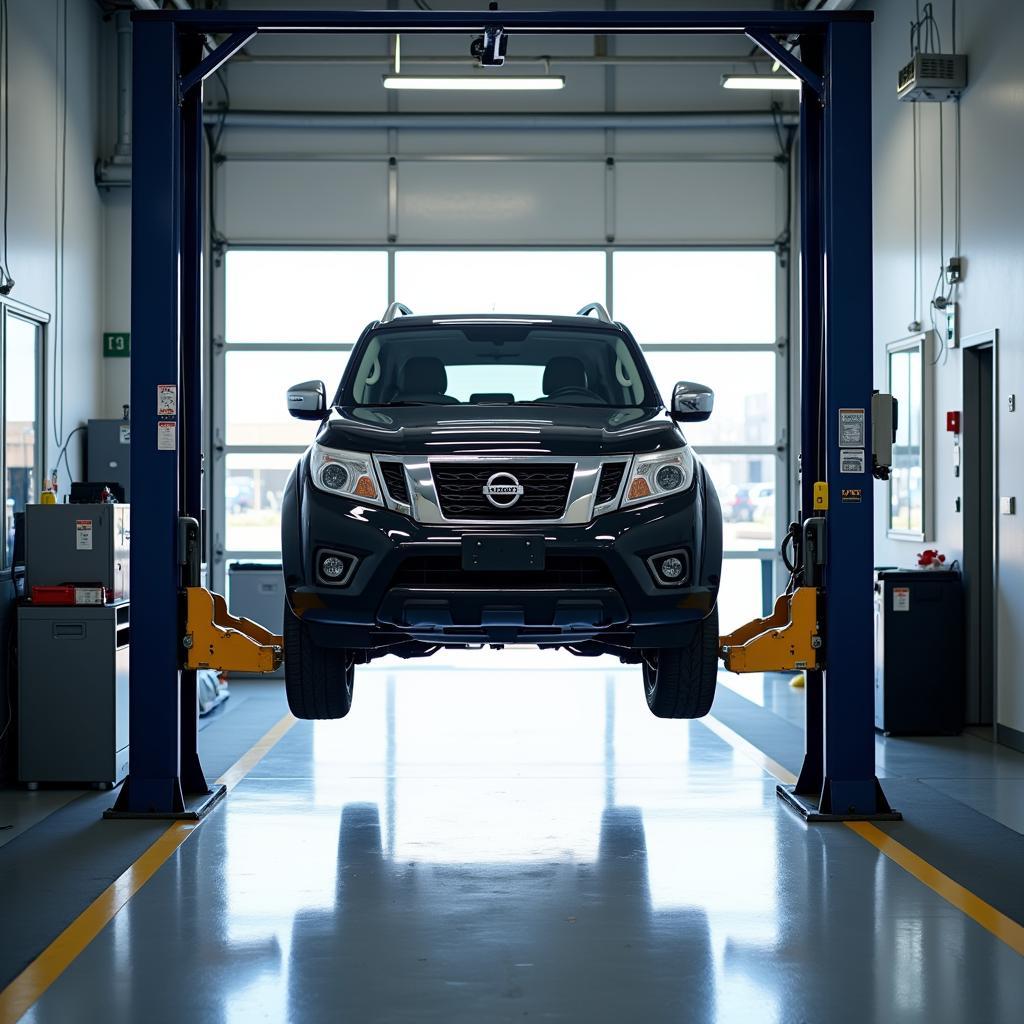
{"x":502,"y":553}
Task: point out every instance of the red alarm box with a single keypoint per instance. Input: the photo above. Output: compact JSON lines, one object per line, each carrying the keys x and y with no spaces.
{"x":953,"y":422}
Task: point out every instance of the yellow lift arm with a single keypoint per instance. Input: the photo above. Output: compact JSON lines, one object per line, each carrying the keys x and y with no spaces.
{"x":787,"y":640}
{"x":214,"y":638}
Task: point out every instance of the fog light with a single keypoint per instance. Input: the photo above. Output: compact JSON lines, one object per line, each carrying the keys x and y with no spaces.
{"x":334,"y":476}
{"x":332,"y":567}
{"x":671,"y":568}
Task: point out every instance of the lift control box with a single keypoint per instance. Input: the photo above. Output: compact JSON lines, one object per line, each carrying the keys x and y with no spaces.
{"x":83,"y":544}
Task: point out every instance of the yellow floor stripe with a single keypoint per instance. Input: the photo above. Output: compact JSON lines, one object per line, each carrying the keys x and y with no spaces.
{"x":994,"y":921}
{"x":1002,"y":927}
{"x":22,"y":993}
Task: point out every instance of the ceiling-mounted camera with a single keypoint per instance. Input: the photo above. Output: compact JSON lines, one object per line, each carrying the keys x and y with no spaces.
{"x":489,"y":49}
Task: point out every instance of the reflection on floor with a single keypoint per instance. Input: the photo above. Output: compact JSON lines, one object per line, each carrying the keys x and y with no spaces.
{"x":503,"y":836}
{"x":970,"y":768}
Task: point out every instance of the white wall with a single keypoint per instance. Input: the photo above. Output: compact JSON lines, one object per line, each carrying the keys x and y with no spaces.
{"x":991,"y":32}
{"x":35,"y":145}
{"x":35,"y":94}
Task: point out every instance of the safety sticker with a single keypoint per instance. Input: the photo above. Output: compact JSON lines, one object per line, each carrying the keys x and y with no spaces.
{"x":901,"y":599}
{"x":851,"y":460}
{"x":83,"y":535}
{"x":852,"y":430}
{"x":851,"y":495}
{"x":167,"y":399}
{"x":124,"y":433}
{"x":166,"y":436}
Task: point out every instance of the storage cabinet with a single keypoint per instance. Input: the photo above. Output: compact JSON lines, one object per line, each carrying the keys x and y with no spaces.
{"x":73,"y":693}
{"x":919,"y":652}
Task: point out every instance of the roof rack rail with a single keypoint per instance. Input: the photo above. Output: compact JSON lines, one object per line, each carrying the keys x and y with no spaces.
{"x":596,"y":307}
{"x":395,"y":309}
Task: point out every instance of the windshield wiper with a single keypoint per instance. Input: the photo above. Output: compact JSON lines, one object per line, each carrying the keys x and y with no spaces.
{"x":575,"y":405}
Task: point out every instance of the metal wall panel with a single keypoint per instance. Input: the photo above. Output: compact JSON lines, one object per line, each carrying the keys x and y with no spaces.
{"x":303,"y":201}
{"x":713,"y":202}
{"x":512,"y":203}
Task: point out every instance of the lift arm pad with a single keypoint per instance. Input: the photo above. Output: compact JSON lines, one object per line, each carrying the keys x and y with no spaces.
{"x":787,"y":640}
{"x":214,"y":638}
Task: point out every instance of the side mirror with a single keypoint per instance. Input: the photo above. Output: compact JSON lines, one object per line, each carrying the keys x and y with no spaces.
{"x":308,"y":400}
{"x":691,"y":402}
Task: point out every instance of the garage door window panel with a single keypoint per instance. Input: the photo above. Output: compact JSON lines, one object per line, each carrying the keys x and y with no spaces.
{"x":744,"y":386}
{"x":301,"y":296}
{"x":255,"y":388}
{"x":709,"y":296}
{"x":746,"y":489}
{"x":513,"y":281}
{"x":253,"y":487}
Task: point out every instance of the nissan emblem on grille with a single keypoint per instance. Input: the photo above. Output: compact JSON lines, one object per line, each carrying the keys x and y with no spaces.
{"x":503,"y":490}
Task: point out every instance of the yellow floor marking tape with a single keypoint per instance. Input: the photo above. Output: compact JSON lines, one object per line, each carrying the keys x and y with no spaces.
{"x":1002,"y":927}
{"x":23,"y":992}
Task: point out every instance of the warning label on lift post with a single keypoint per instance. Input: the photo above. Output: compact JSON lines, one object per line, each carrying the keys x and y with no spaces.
{"x":166,"y":429}
{"x":167,"y":399}
{"x":165,"y":436}
{"x":852,"y":445}
{"x":852,"y":429}
{"x":851,"y":460}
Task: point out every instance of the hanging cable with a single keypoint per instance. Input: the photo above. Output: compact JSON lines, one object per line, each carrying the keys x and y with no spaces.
{"x":6,"y":280}
{"x":956,"y":175}
{"x":942,"y":191}
{"x":63,"y":454}
{"x":916,"y":315}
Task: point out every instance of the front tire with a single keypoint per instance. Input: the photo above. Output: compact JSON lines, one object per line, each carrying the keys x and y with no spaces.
{"x":680,"y":681}
{"x":317,"y":680}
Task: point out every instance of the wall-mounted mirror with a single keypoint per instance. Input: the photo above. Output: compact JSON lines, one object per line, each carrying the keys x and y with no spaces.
{"x":907,"y":363}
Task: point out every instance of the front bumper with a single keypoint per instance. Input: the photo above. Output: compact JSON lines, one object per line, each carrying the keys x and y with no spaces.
{"x":388,"y":601}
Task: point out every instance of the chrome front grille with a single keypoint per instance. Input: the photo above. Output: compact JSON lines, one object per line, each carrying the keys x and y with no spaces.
{"x":461,"y":486}
{"x":450,"y":489}
{"x":394,"y":481}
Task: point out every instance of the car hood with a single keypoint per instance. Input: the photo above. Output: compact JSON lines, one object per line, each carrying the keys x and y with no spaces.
{"x":500,"y":430}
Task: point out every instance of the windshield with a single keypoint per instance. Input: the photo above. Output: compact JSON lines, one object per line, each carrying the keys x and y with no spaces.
{"x":498,"y":364}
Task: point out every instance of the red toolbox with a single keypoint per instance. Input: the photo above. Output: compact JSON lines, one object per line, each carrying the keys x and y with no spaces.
{"x":71,"y":594}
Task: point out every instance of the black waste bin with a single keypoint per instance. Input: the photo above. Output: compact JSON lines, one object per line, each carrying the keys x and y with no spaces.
{"x":919,"y":651}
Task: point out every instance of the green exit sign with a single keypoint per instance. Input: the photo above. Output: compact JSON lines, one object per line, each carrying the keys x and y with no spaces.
{"x":117,"y":345}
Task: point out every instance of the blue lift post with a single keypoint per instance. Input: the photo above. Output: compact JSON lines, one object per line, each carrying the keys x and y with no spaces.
{"x":165,"y":777}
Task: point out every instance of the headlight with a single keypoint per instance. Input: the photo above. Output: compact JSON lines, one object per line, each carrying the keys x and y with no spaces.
{"x":346,"y":473}
{"x":653,"y":476}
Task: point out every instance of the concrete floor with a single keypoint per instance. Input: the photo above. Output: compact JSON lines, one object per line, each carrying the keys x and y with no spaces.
{"x":511,"y":836}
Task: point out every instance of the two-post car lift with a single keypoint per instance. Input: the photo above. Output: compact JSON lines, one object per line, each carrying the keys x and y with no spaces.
{"x":168,"y":613}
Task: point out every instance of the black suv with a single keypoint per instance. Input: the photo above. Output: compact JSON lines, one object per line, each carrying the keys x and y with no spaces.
{"x":490,"y":480}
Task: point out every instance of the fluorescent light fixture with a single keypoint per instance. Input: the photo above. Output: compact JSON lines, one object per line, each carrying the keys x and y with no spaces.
{"x":761,"y":82}
{"x":485,"y":82}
